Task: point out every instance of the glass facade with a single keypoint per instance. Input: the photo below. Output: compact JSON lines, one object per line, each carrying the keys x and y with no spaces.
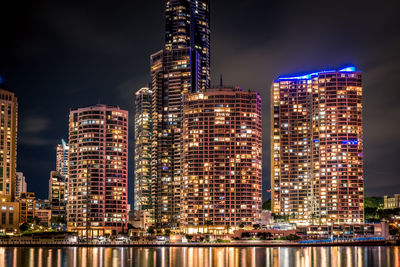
{"x":143,"y":137}
{"x":173,"y":73}
{"x":187,"y":24}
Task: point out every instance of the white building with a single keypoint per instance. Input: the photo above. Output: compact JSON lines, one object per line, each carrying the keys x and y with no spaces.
{"x":20,"y":184}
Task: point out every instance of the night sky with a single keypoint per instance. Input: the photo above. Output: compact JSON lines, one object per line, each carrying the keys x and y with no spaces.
{"x":57,"y":55}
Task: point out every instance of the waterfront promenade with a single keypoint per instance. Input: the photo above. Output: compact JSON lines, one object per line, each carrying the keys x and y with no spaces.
{"x":41,"y":243}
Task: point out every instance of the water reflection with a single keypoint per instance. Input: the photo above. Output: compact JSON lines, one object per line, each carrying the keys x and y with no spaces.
{"x":199,"y":257}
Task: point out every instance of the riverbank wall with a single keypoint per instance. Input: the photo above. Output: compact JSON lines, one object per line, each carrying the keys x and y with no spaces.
{"x":192,"y":244}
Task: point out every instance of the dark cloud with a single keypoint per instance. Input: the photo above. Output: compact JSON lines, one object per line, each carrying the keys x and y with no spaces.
{"x":34,"y":124}
{"x":58,"y":55}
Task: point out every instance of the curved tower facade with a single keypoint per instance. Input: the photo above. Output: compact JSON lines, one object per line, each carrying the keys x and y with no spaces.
{"x":317,"y":147}
{"x":98,"y":170}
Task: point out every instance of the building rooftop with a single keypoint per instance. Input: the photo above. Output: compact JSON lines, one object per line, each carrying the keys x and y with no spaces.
{"x":309,"y":75}
{"x":96,"y":106}
{"x":143,"y":90}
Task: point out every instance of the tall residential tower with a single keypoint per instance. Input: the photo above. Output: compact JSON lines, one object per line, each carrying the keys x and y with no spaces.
{"x":9,"y":212}
{"x":187,"y":24}
{"x":8,"y":144}
{"x":221,"y":160}
{"x":143,"y":133}
{"x":182,"y":67}
{"x":172,"y":78}
{"x":98,"y":170}
{"x":317,"y":147}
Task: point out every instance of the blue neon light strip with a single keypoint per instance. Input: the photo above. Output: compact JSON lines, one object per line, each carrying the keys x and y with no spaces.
{"x":309,"y":75}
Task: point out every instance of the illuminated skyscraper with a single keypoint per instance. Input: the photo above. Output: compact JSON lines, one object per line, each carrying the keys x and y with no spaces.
{"x":317,"y":147}
{"x":8,"y":144}
{"x":98,"y":170}
{"x":183,"y":66}
{"x":143,"y":133}
{"x":9,"y":212}
{"x":172,"y":77}
{"x":221,"y":160}
{"x":187,"y":24}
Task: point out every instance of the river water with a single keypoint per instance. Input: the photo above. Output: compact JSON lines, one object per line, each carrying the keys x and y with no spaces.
{"x":201,"y":257}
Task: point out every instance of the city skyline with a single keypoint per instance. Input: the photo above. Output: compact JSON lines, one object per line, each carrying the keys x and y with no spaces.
{"x":40,"y":128}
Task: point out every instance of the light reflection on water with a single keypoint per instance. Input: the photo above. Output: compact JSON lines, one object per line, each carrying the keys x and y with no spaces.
{"x":199,"y":257}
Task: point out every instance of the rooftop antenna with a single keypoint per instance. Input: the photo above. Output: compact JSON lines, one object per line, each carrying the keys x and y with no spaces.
{"x":221,"y":83}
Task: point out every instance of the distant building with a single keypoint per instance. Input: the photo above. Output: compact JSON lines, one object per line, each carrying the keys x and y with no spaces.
{"x":43,"y":212}
{"x":62,"y":158}
{"x":266,"y":218}
{"x":221,"y":160}
{"x":57,"y":195}
{"x":27,"y":207}
{"x":143,"y":133}
{"x":317,"y":147}
{"x":391,"y":202}
{"x":43,"y":217}
{"x":140,"y":219}
{"x":42,"y":204}
{"x":62,"y":163}
{"x":20,"y":184}
{"x":98,"y":170}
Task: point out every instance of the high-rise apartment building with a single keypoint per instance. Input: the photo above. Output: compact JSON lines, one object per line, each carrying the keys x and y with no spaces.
{"x":20,"y":184}
{"x":143,"y":133}
{"x":221,"y":160}
{"x":187,"y":24}
{"x":317,"y":147}
{"x":9,"y":212}
{"x":8,"y":144}
{"x":171,"y":79}
{"x":98,"y":170}
{"x":57,"y":195}
{"x":183,"y":66}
